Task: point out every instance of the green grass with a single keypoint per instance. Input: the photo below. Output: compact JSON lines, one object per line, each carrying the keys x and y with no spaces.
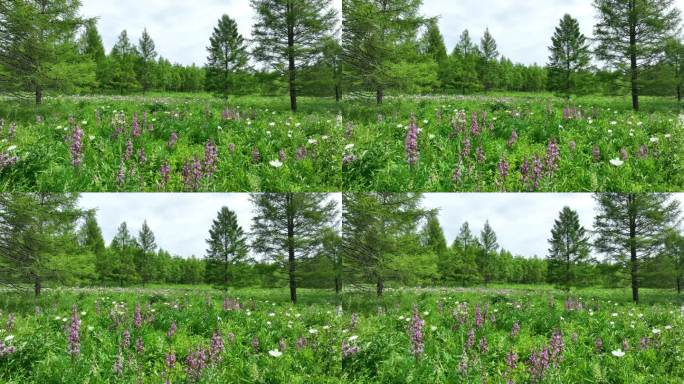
{"x":384,"y":347}
{"x":653,"y":140}
{"x":307,"y":144}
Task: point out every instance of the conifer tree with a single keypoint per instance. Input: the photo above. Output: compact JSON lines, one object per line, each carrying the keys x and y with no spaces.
{"x":124,"y":57}
{"x":569,"y":56}
{"x":227,"y":57}
{"x":227,"y":246}
{"x":489,"y":56}
{"x":487,"y":258}
{"x":148,"y":57}
{"x":144,"y":260}
{"x":569,"y":248}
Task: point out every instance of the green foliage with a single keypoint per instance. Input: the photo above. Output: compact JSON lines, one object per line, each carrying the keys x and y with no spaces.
{"x":569,"y":60}
{"x":227,"y":59}
{"x":569,"y":249}
{"x":227,"y":247}
{"x":148,"y":55}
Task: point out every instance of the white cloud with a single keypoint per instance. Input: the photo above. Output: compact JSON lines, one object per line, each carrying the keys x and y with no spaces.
{"x":179,"y":28}
{"x":522,"y":29}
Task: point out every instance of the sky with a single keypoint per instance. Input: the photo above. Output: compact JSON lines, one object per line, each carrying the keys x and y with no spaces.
{"x":522,"y":221}
{"x":180,"y":221}
{"x":521,"y":28}
{"x":180,"y":28}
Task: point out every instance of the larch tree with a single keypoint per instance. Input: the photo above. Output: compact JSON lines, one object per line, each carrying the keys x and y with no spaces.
{"x":570,"y":56}
{"x":227,"y":246}
{"x":289,"y":227}
{"x":289,"y":35}
{"x":630,"y":229}
{"x":144,"y":261}
{"x":569,"y":248}
{"x":489,"y":54}
{"x":631,"y":35}
{"x":147,"y":60}
{"x":372,"y":33}
{"x":228,"y":57}
{"x":124,"y":57}
{"x":487,"y":258}
{"x":38,"y":49}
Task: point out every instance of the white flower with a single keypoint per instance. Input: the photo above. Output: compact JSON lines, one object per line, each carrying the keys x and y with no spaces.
{"x":11,"y":148}
{"x":313,"y":331}
{"x":352,"y":338}
{"x":655,"y":331}
{"x":325,"y":137}
{"x":268,"y":323}
{"x":326,"y":327}
{"x":91,"y":137}
{"x":84,"y":122}
{"x":298,"y":125}
{"x":431,"y":136}
{"x":401,"y":317}
{"x":91,"y":328}
{"x":653,"y":139}
{"x":312,"y":141}
{"x":271,"y":314}
{"x":616,"y":162}
{"x":275,"y":353}
{"x":610,"y":131}
{"x":614,"y":314}
{"x":271,"y":124}
{"x":433,"y":328}
{"x":425,"y":121}
{"x":9,"y":338}
{"x":348,"y":147}
{"x":276,"y":164}
{"x":668,"y":136}
{"x":668,"y":327}
{"x":613,"y":122}
{"x":268,"y":133}
{"x":618,"y":353}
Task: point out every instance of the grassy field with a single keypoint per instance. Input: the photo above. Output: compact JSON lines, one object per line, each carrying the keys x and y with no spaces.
{"x":499,"y":334}
{"x":170,"y":143}
{"x":516,"y":143}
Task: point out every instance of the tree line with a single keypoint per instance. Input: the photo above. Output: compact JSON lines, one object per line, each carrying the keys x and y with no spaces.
{"x":385,"y":46}
{"x":385,"y":239}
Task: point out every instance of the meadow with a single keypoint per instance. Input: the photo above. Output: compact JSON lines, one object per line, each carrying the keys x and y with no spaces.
{"x":162,"y":142}
{"x":512,"y":334}
{"x":515,"y":142}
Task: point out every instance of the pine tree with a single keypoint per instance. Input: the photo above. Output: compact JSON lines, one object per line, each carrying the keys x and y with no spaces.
{"x":372,"y":35}
{"x":463,"y":63}
{"x":489,"y":56}
{"x":92,"y":241}
{"x":569,"y":248}
{"x":290,"y":225}
{"x":632,"y":33}
{"x":34,"y":227}
{"x":148,"y":57}
{"x":288,"y":35}
{"x":144,"y":261}
{"x":227,"y":57}
{"x":569,"y":56}
{"x":629,"y":228}
{"x":37,"y":37}
{"x":227,"y":247}
{"x":123,"y":58}
{"x":487,"y":258}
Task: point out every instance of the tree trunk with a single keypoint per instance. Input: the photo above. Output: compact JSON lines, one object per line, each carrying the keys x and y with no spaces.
{"x":338,"y":94}
{"x":380,"y":287}
{"x":37,"y":286}
{"x":379,"y":95}
{"x":291,"y":255}
{"x":292,"y":68}
{"x":679,"y":285}
{"x":39,"y":95}
{"x":634,"y":67}
{"x":633,"y":254}
{"x":679,"y":93}
{"x":338,"y":285}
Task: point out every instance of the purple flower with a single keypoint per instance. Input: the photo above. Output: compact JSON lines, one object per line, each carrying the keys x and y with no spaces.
{"x":139,"y":346}
{"x":255,"y":344}
{"x":411,"y":143}
{"x":301,"y":153}
{"x":479,"y":152}
{"x":538,"y":364}
{"x":470,"y":341}
{"x":217,"y":346}
{"x":164,"y":171}
{"x":301,"y":343}
{"x":515,"y":329}
{"x":537,"y":169}
{"x":129,"y":150}
{"x":348,"y":350}
{"x":172,"y":140}
{"x":172,"y":330}
{"x":513,"y":139}
{"x":598,"y":344}
{"x":354,"y":321}
{"x":456,"y":177}
{"x":195,"y":364}
{"x":479,"y":319}
{"x":503,"y":167}
{"x":644,"y":342}
{"x":465,"y":152}
{"x":416,"y":333}
{"x":11,"y":129}
{"x":9,"y":324}
{"x":556,"y":347}
{"x":625,"y":345}
{"x":552,"y":155}
{"x":126,"y":339}
{"x":348,"y":159}
{"x":282,"y":156}
{"x":231,"y":148}
{"x":137,"y":317}
{"x":596,"y":153}
{"x":349,"y":132}
{"x":136,"y":127}
{"x":77,"y":146}
{"x":484,"y":347}
{"x":511,"y":360}
{"x":74,"y":347}
{"x":210,"y":158}
{"x":572,"y":145}
{"x":256,"y":155}
{"x":118,"y":364}
{"x":623,"y":154}
{"x":474,"y":128}
{"x":643,"y":151}
{"x":282,"y":345}
{"x":142,"y":158}
{"x":170,"y":360}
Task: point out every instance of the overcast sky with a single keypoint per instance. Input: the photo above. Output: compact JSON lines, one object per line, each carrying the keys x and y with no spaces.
{"x":180,"y":28}
{"x":522,"y":28}
{"x":522,"y":221}
{"x":180,"y":221}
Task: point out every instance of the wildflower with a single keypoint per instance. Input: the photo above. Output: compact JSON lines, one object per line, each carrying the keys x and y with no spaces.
{"x":137,"y":317}
{"x":348,"y":350}
{"x":474,"y":128}
{"x":616,"y":162}
{"x":282,"y":345}
{"x":416,"y":333}
{"x":74,"y":347}
{"x":598,"y":344}
{"x":11,"y":130}
{"x":484,"y":347}
{"x":210,"y":158}
{"x":539,"y":364}
{"x":618,"y":353}
{"x":349,"y":132}
{"x":643,"y":151}
{"x":142,"y":158}
{"x":463,"y":364}
{"x":623,"y":154}
{"x":596,"y":153}
{"x":470,"y":341}
{"x":655,"y":331}
{"x":503,"y":167}
{"x":275,"y":353}
{"x":411,"y":143}
{"x":479,"y":152}
{"x":282,"y":156}
{"x":479,"y":319}
{"x":126,"y":339}
{"x":348,"y":159}
{"x":301,"y":153}
{"x":118,"y":364}
{"x":255,"y":344}
{"x":76,"y":146}
{"x":513,"y":139}
{"x":515,"y":329}
{"x":275,"y":163}
{"x":556,"y":346}
{"x":552,"y":155}
{"x":456,"y":177}
{"x":129,"y":150}
{"x":172,"y":140}
{"x":139,"y":346}
{"x":301,"y":343}
{"x":465,"y":152}
{"x":625,"y":344}
{"x":216,"y":347}
{"x":172,"y":330}
{"x":170,"y":360}
{"x":196,"y":362}
{"x":256,"y":156}
{"x":136,"y":127}
{"x":164,"y":171}
{"x":354,"y":321}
